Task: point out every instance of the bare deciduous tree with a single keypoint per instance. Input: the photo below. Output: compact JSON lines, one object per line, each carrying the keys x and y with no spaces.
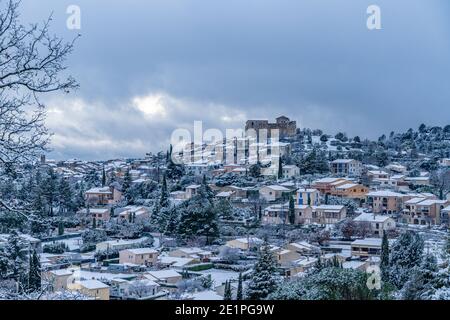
{"x":32,"y":63}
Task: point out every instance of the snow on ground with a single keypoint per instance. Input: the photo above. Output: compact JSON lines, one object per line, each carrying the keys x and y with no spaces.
{"x":72,"y":243}
{"x":220,"y":276}
{"x":204,"y":295}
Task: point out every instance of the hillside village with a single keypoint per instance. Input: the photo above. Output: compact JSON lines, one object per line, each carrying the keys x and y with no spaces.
{"x":328,"y":208}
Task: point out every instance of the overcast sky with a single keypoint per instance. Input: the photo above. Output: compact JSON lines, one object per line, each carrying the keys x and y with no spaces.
{"x":147,"y":67}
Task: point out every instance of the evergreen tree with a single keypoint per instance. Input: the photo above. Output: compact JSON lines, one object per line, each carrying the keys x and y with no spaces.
{"x":34,"y":273}
{"x":164,"y":199}
{"x":291,"y":210}
{"x":424,"y":280}
{"x":405,"y":254}
{"x":15,"y":253}
{"x":239,"y":293}
{"x":280,"y":168}
{"x":263,"y":280}
{"x":60,"y":228}
{"x":65,"y":196}
{"x":49,"y":187}
{"x":92,"y":180}
{"x":126,"y":181}
{"x":384,"y":263}
{"x":227,"y":293}
{"x":198,"y":218}
{"x":103,"y":177}
{"x":224,"y":209}
{"x":94,"y":223}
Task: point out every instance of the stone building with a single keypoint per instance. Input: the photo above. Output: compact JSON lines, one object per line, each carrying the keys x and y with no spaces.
{"x":284,"y":125}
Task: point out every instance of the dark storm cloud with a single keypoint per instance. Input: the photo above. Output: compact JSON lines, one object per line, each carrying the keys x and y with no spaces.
{"x":314,"y":61}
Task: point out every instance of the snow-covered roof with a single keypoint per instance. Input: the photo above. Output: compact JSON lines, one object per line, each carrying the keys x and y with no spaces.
{"x":92,"y":284}
{"x":384,"y":193}
{"x":347,"y":186}
{"x":163,"y":274}
{"x":376,"y":242}
{"x":342,"y":161}
{"x":103,"y":190}
{"x":175,"y":261}
{"x":277,"y":188}
{"x":370,"y":217}
{"x":142,"y":251}
{"x":328,"y":207}
{"x":327,"y":180}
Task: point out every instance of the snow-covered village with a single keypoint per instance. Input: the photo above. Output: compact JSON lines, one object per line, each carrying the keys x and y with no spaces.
{"x":321,"y":221}
{"x":286,"y":207}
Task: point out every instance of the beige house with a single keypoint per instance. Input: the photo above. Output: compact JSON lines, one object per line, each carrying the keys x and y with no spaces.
{"x":136,"y":213}
{"x":350,"y":190}
{"x":346,"y":167}
{"x":423,"y":211}
{"x":379,"y":223}
{"x":325,"y":185}
{"x":103,"y":196}
{"x":385,"y":201}
{"x":290,"y":171}
{"x":101,"y":215}
{"x":276,"y":214}
{"x":303,"y":214}
{"x":273,"y":192}
{"x":168,"y":276}
{"x":192,"y":190}
{"x":328,"y":214}
{"x":194,"y":253}
{"x":285,"y":257}
{"x":244,"y":243}
{"x":92,"y":288}
{"x":142,"y":256}
{"x":364,"y":248}
{"x":377,"y":174}
{"x":303,"y":248}
{"x":58,"y":279}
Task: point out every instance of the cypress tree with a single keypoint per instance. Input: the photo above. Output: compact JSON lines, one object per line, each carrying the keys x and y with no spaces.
{"x":164,"y":200}
{"x":60,"y":228}
{"x":384,"y":263}
{"x":34,"y":273}
{"x":103,"y":177}
{"x":239,"y":295}
{"x":291,"y":210}
{"x":126,"y":181}
{"x":227,"y":293}
{"x":280,"y":168}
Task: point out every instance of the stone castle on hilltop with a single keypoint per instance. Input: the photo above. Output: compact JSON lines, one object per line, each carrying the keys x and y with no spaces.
{"x":284,"y":125}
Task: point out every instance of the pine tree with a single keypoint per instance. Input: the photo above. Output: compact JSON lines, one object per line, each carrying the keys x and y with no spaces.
{"x":291,"y":210}
{"x":15,"y":252}
{"x":424,"y":280}
{"x":65,"y":196}
{"x":384,"y":263}
{"x":126,"y":181}
{"x":227,"y":293}
{"x":94,"y":223}
{"x":263,"y":280}
{"x":49,"y":187}
{"x":34,"y":273}
{"x":239,"y":293}
{"x":405,"y":254}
